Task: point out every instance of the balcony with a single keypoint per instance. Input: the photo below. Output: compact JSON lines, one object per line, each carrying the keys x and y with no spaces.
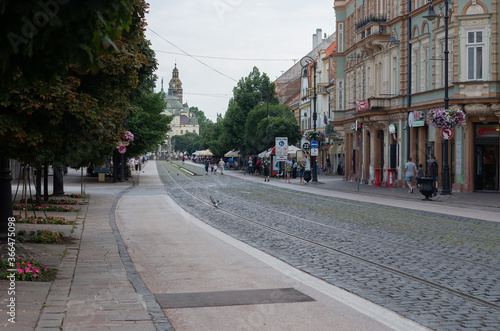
{"x":373,"y":18}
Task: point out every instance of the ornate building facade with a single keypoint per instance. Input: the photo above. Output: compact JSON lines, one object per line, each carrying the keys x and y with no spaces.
{"x":389,"y":72}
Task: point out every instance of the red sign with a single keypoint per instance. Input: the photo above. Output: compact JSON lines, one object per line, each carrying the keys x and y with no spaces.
{"x":122,"y":149}
{"x":362,"y":105}
{"x":447,"y":133}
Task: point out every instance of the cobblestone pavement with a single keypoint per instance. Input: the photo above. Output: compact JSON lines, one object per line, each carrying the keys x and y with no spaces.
{"x":438,"y":270}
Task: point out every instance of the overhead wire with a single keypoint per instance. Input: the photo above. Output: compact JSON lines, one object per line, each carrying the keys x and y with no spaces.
{"x":191,"y":56}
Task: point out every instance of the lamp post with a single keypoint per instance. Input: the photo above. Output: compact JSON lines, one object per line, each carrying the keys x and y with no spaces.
{"x":431,"y":15}
{"x":304,"y":62}
{"x":267,"y":103}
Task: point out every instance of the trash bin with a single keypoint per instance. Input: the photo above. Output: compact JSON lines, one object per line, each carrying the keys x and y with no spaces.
{"x":427,"y":188}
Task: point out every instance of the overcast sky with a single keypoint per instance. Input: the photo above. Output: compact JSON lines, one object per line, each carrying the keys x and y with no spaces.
{"x":220,"y":34}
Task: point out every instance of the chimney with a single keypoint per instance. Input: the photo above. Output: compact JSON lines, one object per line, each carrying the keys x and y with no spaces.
{"x":317,"y":38}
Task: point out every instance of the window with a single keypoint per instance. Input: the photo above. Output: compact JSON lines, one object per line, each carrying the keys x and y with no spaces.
{"x":340,"y":95}
{"x":394,"y":84}
{"x":425,"y":68}
{"x":475,"y":55}
{"x":182,"y":132}
{"x":341,"y":38}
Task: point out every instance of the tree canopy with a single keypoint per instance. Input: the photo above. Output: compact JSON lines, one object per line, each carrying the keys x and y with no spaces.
{"x":77,"y":116}
{"x":148,"y":123}
{"x":247,"y":94}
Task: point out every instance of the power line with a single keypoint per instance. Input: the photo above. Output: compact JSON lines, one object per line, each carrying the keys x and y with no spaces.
{"x":228,"y":58}
{"x":191,"y":56}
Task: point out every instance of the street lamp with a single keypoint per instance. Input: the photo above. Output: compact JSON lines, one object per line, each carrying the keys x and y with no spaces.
{"x":267,"y":103}
{"x":431,"y":15}
{"x":305,"y":62}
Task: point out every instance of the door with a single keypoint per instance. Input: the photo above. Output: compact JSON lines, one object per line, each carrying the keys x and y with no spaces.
{"x":486,"y":167}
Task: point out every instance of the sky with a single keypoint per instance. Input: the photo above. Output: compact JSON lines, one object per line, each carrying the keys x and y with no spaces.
{"x":215,"y":43}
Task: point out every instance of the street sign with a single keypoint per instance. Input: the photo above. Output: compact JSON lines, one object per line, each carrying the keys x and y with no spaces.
{"x":306,"y":146}
{"x":314,"y":144}
{"x":281,"y":148}
{"x":447,"y":133}
{"x":314,"y":151}
{"x":122,"y":149}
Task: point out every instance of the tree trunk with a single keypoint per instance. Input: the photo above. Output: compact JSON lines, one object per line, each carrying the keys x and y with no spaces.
{"x":46,"y":182}
{"x":5,"y":198}
{"x":58,"y":180}
{"x":39,"y":185}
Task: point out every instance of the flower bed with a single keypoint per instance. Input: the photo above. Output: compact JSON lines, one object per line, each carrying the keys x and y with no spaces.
{"x":77,"y":196}
{"x":46,"y":208}
{"x":55,"y":201}
{"x":40,"y":236}
{"x":25,"y":270}
{"x":43,"y":220}
{"x":446,"y":118}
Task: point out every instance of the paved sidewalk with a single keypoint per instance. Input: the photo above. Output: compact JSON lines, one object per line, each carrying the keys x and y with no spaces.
{"x":92,"y":289}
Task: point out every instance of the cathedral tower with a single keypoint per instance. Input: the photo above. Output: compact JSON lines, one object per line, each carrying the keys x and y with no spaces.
{"x":175,"y":84}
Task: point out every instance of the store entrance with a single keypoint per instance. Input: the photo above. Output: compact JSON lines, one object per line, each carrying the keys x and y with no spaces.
{"x":486,"y":171}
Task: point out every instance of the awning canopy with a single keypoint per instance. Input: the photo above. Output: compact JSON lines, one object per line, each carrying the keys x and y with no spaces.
{"x":206,"y":152}
{"x":232,"y":153}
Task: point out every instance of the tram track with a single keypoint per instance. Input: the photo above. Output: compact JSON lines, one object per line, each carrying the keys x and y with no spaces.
{"x":324,"y":246}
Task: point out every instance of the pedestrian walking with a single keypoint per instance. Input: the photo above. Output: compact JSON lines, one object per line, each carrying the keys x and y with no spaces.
{"x":207,"y":164}
{"x":266,"y":165}
{"x":250,"y":167}
{"x":410,"y":171}
{"x":212,"y":167}
{"x":288,"y":169}
{"x":222,"y":164}
{"x":434,"y":172}
{"x":302,"y":167}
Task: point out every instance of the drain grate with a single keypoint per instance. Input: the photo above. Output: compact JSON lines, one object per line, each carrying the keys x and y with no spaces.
{"x":230,"y":298}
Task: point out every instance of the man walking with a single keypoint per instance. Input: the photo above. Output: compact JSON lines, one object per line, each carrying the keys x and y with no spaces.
{"x":410,"y":170}
{"x":222,"y":164}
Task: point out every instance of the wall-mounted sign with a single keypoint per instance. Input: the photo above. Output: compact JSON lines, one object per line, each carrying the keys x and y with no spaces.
{"x":362,"y":105}
{"x":487,"y":131}
{"x":416,"y":119}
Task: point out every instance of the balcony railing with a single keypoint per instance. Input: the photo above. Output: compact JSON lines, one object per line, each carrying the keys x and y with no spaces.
{"x":372,"y":18}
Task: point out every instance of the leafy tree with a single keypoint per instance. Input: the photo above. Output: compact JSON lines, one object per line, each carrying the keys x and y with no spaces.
{"x":203,"y":121}
{"x":41,"y":38}
{"x":247,"y":94}
{"x":51,"y":108}
{"x":270,"y":128}
{"x":188,"y":142}
{"x":148,"y":124}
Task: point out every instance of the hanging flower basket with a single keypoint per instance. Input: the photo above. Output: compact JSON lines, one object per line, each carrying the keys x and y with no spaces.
{"x":446,"y":118}
{"x":129,"y":136}
{"x":315,"y":135}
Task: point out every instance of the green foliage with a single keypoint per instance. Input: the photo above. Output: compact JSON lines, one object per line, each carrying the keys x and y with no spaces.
{"x":203,"y":121}
{"x":148,"y":123}
{"x":40,"y":236}
{"x":188,"y":142}
{"x":41,"y":38}
{"x":71,"y":116}
{"x":25,"y":270}
{"x":247,"y":94}
{"x":281,"y":123}
{"x":260,"y":131}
